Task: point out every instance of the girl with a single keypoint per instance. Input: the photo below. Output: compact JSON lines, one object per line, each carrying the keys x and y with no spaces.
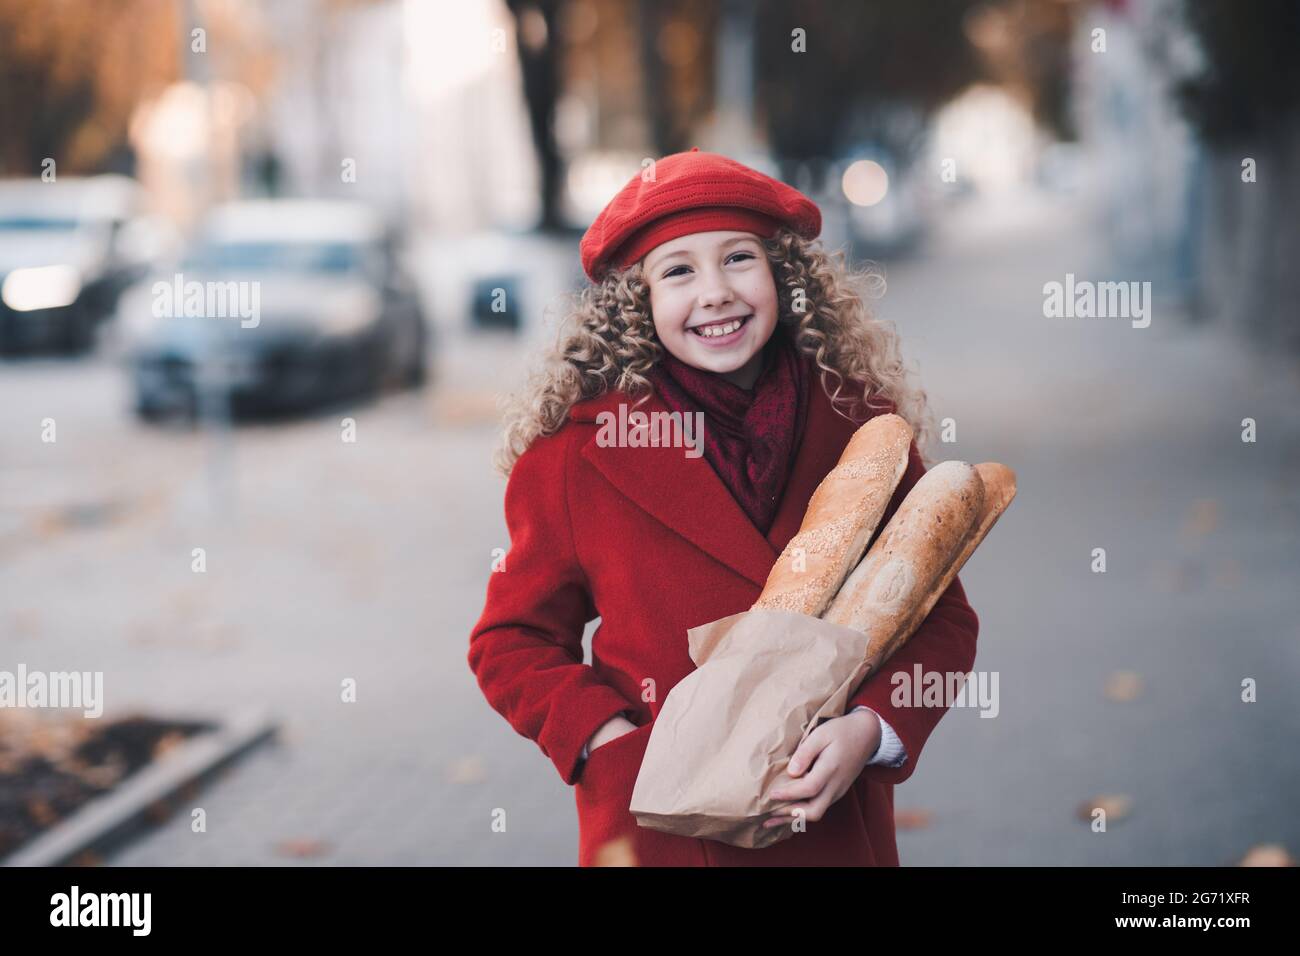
{"x":707,"y":296}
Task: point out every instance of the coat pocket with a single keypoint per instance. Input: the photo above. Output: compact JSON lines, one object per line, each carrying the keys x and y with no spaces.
{"x":603,"y":792}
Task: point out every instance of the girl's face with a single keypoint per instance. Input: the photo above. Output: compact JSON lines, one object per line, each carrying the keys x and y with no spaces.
{"x":713,"y":301}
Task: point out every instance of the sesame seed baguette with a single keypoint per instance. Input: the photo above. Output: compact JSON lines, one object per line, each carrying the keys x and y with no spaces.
{"x":920,"y":552}
{"x":842,"y":515}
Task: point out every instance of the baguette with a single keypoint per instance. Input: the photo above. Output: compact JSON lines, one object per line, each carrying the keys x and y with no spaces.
{"x":998,"y":483}
{"x":841,"y":517}
{"x":908,"y":560}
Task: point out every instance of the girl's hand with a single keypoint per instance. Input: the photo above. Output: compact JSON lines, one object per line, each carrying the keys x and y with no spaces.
{"x":841,"y":748}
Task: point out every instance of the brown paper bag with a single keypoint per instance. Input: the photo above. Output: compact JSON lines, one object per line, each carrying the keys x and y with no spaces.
{"x":721,"y":742}
{"x":763,"y":681}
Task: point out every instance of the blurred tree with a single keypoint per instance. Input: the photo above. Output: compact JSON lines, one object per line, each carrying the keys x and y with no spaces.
{"x":1024,"y":46}
{"x":70,"y":75}
{"x":866,"y":65}
{"x":1251,"y":74}
{"x":677,"y":57}
{"x":658,"y":107}
{"x":73,"y":72}
{"x":537,"y":39}
{"x":872,"y":70}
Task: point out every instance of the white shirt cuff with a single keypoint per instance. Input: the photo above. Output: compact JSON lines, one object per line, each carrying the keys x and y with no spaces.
{"x":891,"y":752}
{"x":585,"y":751}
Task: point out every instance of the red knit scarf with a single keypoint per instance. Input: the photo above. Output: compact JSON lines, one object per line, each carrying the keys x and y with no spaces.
{"x":750,"y":435}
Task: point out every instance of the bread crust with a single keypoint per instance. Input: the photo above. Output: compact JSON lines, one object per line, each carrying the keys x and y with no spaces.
{"x":921,"y":551}
{"x":908,"y":560}
{"x":841,"y":517}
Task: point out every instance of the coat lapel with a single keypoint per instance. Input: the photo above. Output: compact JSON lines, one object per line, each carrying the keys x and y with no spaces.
{"x":683,"y":493}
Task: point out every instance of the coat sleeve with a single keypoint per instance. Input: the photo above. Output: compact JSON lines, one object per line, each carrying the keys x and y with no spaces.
{"x":945,"y":642}
{"x":526,"y":648}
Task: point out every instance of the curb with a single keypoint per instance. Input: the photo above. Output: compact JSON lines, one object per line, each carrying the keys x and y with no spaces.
{"x":111,"y":819}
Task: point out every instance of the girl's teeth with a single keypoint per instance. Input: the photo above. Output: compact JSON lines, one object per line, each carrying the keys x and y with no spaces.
{"x":713,"y":331}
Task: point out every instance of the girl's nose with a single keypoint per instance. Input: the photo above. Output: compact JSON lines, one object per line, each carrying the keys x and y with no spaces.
{"x":715,"y":290}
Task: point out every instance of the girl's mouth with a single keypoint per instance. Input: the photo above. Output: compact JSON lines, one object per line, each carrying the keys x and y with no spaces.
{"x":721,"y":333}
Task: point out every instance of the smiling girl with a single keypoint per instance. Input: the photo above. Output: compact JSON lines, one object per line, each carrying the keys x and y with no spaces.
{"x":708,"y":294}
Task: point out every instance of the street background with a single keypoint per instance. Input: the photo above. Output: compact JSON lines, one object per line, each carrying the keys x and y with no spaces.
{"x":329,"y":559}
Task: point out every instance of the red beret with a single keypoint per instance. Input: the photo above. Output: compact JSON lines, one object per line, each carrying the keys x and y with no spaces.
{"x":692,"y":192}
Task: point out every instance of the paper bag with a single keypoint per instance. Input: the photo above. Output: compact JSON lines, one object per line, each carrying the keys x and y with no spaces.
{"x":721,"y":742}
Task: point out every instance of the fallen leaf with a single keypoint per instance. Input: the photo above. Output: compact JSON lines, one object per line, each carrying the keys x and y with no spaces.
{"x":158,"y":811}
{"x":47,"y":524}
{"x":168,"y":741}
{"x":912,"y":819}
{"x":302,"y":847}
{"x":105,"y":775}
{"x":468,"y":770}
{"x":1202,"y":518}
{"x":1267,"y":854}
{"x":1115,"y":805}
{"x":1123,"y":686}
{"x":185,"y":603}
{"x":41,"y":812}
{"x":618,"y":852}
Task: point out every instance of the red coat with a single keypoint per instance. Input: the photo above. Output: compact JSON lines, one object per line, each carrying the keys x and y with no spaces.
{"x":651,"y":541}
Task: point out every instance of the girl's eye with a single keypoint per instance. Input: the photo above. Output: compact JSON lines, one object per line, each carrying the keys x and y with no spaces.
{"x":735,"y":257}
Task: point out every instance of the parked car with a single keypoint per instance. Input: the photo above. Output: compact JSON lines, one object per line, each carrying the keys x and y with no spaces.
{"x":278,"y":306}
{"x":63,"y":259}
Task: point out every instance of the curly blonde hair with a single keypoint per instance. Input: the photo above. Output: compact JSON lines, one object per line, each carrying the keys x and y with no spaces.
{"x":607,"y":340}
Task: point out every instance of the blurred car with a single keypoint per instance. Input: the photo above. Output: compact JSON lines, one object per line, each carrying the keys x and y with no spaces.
{"x":64,"y":259}
{"x":337,"y":315}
